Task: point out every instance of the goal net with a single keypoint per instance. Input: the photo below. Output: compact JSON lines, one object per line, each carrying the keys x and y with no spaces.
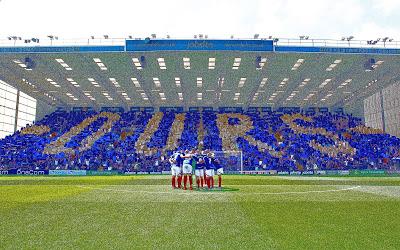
{"x":231,"y":161}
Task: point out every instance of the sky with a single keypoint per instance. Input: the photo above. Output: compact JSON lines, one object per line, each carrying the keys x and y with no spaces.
{"x":319,"y":19}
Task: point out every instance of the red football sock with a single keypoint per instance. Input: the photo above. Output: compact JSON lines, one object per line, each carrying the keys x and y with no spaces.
{"x":201,"y":181}
{"x":219,"y":180}
{"x":212,"y":182}
{"x":208,"y":182}
{"x":179,"y":181}
{"x":198,"y":182}
{"x":184,"y":181}
{"x":191,"y":181}
{"x":173,"y":181}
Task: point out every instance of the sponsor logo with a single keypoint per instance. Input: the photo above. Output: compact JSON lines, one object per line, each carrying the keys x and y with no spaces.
{"x":310,"y":172}
{"x":283,"y":172}
{"x":129,"y":173}
{"x":30,"y":172}
{"x":155,"y":172}
{"x":4,"y":172}
{"x":23,"y":172}
{"x":295,"y":173}
{"x":67,"y":172}
{"x":200,"y":45}
{"x":343,"y":172}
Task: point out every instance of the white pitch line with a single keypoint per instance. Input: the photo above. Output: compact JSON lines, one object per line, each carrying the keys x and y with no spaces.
{"x":312,"y":191}
{"x":202,"y":193}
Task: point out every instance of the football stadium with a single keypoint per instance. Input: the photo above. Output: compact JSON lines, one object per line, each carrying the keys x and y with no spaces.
{"x":208,"y":143}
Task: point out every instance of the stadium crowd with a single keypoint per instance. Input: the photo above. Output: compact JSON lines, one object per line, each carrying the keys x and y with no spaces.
{"x":144,"y":141}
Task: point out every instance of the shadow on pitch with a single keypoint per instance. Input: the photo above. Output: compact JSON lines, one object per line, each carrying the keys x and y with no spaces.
{"x":216,"y":190}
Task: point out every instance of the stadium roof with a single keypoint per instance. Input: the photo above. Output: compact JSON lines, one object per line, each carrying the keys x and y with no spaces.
{"x":189,"y":73}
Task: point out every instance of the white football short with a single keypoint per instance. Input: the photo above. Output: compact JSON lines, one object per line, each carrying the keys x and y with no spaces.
{"x":187,"y":169}
{"x":210,"y":172}
{"x":175,"y":170}
{"x":199,"y":172}
{"x":220,"y":171}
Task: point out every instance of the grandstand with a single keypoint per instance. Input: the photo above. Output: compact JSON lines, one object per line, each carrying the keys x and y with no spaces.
{"x":125,"y":106}
{"x":303,"y":135}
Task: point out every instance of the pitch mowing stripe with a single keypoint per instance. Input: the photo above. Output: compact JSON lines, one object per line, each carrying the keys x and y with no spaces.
{"x":188,"y":192}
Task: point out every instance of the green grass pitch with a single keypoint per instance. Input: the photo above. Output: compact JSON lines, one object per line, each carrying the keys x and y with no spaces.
{"x":252,"y":212}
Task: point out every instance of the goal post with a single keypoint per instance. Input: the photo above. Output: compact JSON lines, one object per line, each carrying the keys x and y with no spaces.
{"x":231,"y":161}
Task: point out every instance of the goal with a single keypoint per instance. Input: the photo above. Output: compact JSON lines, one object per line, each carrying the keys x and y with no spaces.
{"x":231,"y":161}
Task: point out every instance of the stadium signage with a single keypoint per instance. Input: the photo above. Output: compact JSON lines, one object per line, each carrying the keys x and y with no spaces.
{"x":129,"y":173}
{"x":387,"y":51}
{"x":283,"y":172}
{"x":31,"y":172}
{"x":196,"y":45}
{"x":309,"y":172}
{"x":155,"y":173}
{"x":4,"y":172}
{"x":61,"y":49}
{"x":24,"y":172}
{"x":295,"y":173}
{"x":94,"y":172}
{"x":263,"y":172}
{"x":67,"y":172}
{"x":368,"y":172}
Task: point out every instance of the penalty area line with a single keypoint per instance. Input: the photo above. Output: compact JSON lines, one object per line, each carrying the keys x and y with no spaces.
{"x":188,"y":192}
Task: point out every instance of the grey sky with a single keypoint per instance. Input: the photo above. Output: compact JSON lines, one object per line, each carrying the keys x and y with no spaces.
{"x":367,"y":19}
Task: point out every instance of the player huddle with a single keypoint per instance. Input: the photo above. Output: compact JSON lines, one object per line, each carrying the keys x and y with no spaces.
{"x":204,"y":164}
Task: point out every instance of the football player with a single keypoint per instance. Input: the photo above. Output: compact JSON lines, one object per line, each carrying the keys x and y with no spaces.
{"x":175,"y":168}
{"x":187,"y":169}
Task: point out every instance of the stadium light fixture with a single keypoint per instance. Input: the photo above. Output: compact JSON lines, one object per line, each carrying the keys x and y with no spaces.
{"x":157,"y":82}
{"x":303,"y":38}
{"x":186,"y":63}
{"x":261,"y":63}
{"x":64,"y":64}
{"x":99,"y":63}
{"x":178,"y":82}
{"x":136,"y":82}
{"x":52,"y":37}
{"x":161,"y":63}
{"x":15,"y":38}
{"x":298,"y":64}
{"x":385,"y":40}
{"x":211,"y":63}
{"x":256,"y":36}
{"x":137,"y":63}
{"x":236,"y":63}
{"x":199,"y":82}
{"x":263,"y":82}
{"x":242,"y":82}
